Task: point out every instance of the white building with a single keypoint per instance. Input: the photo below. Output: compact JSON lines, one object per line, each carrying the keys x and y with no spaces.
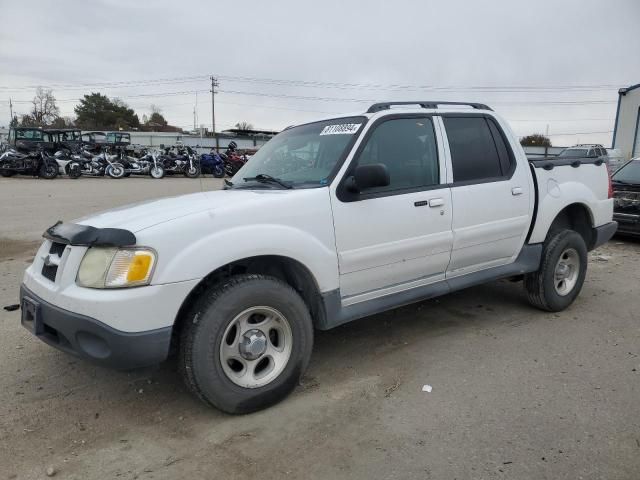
{"x":626,"y":133}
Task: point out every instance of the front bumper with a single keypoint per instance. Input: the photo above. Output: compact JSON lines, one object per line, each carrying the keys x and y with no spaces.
{"x":89,"y":338}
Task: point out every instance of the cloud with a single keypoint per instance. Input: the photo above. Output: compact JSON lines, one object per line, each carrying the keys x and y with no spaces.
{"x":454,"y":44}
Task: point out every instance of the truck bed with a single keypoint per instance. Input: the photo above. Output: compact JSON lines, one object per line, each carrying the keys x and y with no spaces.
{"x":583,"y":180}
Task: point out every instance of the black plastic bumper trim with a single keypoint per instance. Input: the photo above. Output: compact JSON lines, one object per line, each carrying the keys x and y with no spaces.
{"x":93,"y":340}
{"x":603,"y":233}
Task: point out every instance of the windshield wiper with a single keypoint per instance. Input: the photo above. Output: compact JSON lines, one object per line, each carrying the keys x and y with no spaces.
{"x":264,"y":178}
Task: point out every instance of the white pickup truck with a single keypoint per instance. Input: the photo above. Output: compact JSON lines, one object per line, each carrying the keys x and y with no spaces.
{"x":329,"y":222}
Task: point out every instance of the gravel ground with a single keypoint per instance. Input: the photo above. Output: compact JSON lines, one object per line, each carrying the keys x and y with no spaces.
{"x":517,"y":393}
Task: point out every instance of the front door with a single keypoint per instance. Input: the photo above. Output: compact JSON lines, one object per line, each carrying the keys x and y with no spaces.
{"x":396,"y":237}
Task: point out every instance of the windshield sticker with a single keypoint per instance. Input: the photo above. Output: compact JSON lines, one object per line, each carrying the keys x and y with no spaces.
{"x":342,"y":129}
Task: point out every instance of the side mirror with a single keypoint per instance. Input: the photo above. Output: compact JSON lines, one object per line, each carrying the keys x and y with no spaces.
{"x":368,"y":176}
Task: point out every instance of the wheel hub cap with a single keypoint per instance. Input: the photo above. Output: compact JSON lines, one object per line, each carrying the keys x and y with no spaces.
{"x":567,"y":271}
{"x":256,"y":346}
{"x":253,"y":344}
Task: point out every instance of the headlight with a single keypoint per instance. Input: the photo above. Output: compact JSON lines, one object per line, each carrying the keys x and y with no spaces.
{"x":116,"y":267}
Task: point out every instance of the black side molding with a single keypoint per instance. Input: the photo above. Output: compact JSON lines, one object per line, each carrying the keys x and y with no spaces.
{"x":336,"y":314}
{"x":85,"y":235}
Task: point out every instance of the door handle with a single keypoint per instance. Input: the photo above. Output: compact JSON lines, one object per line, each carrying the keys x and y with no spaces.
{"x":516,"y":191}
{"x":436,"y":202}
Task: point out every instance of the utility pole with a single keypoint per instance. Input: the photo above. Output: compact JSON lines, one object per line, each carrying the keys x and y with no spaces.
{"x":546,"y":148}
{"x":214,"y":84}
{"x":10,"y":111}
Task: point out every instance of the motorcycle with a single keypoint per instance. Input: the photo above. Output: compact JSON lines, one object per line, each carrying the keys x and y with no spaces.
{"x":37,"y":163}
{"x":182,"y":160}
{"x":112,"y":167}
{"x":232,"y":160}
{"x":212,"y":163}
{"x":90,"y":165}
{"x":67,"y":165}
{"x":145,"y":165}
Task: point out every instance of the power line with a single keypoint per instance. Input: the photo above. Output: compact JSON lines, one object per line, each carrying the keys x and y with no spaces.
{"x":324,"y":84}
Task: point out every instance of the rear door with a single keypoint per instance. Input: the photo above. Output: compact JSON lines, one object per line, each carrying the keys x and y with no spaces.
{"x":397,"y":237}
{"x":490,"y":194}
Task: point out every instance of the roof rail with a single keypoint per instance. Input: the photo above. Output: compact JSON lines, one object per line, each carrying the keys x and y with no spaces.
{"x":588,"y":145}
{"x":376,"y":107}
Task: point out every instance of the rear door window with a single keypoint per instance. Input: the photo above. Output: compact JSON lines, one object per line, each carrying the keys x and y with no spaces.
{"x":478,"y":150}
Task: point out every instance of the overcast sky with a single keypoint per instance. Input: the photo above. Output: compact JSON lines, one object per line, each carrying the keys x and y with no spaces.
{"x":524,"y":58}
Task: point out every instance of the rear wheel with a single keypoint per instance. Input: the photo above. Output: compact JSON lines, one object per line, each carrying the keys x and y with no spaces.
{"x":7,"y":173}
{"x":48,"y":170}
{"x":562,"y":271}
{"x":73,"y":170}
{"x":218,"y":171}
{"x":246,"y":343}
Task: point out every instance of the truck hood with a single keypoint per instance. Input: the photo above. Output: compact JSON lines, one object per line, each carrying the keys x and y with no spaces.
{"x":138,"y":216}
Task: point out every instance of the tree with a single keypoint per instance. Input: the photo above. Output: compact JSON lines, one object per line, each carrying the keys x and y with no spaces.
{"x":45,"y":110}
{"x":244,"y":126}
{"x":63,"y":122}
{"x":535,"y":140}
{"x":97,"y":111}
{"x":28,"y":121}
{"x":156,"y":121}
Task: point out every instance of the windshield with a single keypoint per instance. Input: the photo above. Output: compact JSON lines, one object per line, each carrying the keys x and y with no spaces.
{"x":29,"y":134}
{"x":118,"y":138}
{"x":71,"y":136}
{"x":573,"y":152}
{"x":629,"y":173}
{"x":303,"y":156}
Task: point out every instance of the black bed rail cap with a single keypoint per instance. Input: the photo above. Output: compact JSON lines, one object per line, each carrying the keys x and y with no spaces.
{"x":549,"y":163}
{"x":87,"y":236}
{"x":376,"y":107}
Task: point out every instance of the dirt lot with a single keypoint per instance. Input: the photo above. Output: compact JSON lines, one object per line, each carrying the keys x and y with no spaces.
{"x":517,"y":394}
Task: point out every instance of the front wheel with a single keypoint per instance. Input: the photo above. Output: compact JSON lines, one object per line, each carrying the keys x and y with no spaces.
{"x":7,"y":173}
{"x":561,"y":275}
{"x":48,"y":170}
{"x":192,"y":172}
{"x":115,"y":170}
{"x":246,"y":343}
{"x":156,"y":172}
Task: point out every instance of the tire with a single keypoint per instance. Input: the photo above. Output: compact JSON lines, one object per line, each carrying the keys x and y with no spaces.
{"x":218,"y":172}
{"x":48,"y":170}
{"x":156,"y":172}
{"x":73,"y":170}
{"x":7,"y":173}
{"x":211,"y":322}
{"x":115,"y":170}
{"x":193,"y":172}
{"x":563,"y":254}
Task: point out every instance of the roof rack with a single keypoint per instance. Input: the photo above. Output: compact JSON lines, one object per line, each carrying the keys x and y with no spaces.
{"x":588,"y":145}
{"x":376,"y":107}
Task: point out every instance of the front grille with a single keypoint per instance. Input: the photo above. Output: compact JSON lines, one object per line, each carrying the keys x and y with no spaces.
{"x":49,"y":268}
